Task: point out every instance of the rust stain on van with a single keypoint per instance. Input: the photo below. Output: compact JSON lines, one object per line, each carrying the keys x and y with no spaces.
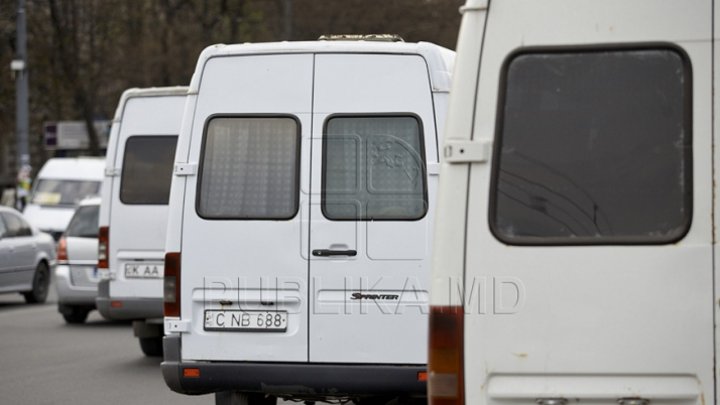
{"x":521,"y":355}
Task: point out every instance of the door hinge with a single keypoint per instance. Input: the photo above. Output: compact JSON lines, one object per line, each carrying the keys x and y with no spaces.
{"x":112,"y":171}
{"x":176,"y":326}
{"x":185,"y":169}
{"x":467,"y":151}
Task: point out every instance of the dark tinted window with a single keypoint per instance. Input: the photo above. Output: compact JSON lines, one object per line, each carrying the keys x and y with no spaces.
{"x":250,"y":168}
{"x":84,"y":223}
{"x":594,"y":147}
{"x":49,"y":192}
{"x":373,"y":169}
{"x":16,"y":226}
{"x":147,"y":169}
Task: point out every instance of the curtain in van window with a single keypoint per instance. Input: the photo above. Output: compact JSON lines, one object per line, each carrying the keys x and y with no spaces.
{"x":250,"y":168}
{"x":373,"y":169}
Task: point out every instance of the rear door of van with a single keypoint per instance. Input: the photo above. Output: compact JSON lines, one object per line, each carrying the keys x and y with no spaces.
{"x":244,"y":274}
{"x":276,"y":265}
{"x":138,"y":213}
{"x":371,"y":208}
{"x":589,"y":263}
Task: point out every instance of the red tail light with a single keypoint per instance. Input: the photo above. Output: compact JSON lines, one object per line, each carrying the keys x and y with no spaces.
{"x":445,"y":361}
{"x":103,"y":247}
{"x":171,"y":284}
{"x":62,"y":255}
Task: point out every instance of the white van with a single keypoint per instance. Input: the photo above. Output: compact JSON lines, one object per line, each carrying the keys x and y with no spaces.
{"x":58,"y":188}
{"x":133,"y":213}
{"x":300,"y":221}
{"x":577,"y":207}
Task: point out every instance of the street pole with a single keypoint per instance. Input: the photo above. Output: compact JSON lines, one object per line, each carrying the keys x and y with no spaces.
{"x":19,"y":67}
{"x":21,"y":81}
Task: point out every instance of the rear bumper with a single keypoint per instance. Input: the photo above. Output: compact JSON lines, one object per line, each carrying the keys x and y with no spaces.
{"x":126,"y":308}
{"x":71,"y":294}
{"x":319,"y":380}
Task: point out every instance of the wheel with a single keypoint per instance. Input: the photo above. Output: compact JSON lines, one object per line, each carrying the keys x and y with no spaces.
{"x":241,"y":398}
{"x":74,"y":315}
{"x":40,"y":285}
{"x":152,"y":346}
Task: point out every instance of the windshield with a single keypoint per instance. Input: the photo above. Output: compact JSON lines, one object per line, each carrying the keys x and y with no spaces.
{"x":63,"y":192}
{"x":84,"y":224}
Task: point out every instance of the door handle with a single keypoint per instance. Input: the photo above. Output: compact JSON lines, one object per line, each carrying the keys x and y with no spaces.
{"x":332,"y":252}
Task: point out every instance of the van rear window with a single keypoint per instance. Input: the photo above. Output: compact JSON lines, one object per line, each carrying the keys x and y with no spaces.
{"x":84,"y":224}
{"x":147,"y":170}
{"x":250,"y":168}
{"x":373,"y":168}
{"x":593,"y":147}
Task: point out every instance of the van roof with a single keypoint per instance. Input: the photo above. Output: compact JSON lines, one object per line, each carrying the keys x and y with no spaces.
{"x":147,"y":92}
{"x":440,"y":60}
{"x":80,"y":168}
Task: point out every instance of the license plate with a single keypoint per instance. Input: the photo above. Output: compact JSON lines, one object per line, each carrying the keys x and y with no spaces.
{"x":235,"y":320}
{"x":144,"y":270}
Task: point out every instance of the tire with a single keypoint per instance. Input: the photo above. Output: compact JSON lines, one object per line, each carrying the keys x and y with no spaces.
{"x":75,"y":315}
{"x":40,"y":285}
{"x":151,"y":347}
{"x":240,"y":398}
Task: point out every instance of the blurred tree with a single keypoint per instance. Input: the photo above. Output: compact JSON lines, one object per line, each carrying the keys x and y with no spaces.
{"x":84,"y":53}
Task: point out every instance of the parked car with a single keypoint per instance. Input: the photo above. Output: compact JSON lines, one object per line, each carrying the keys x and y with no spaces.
{"x":576,"y":239}
{"x":58,"y":188}
{"x":27,"y":257}
{"x":133,"y":213}
{"x":76,"y":275}
{"x":300,"y":218}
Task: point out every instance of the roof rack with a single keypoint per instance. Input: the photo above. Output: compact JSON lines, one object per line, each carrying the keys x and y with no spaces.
{"x":362,"y":37}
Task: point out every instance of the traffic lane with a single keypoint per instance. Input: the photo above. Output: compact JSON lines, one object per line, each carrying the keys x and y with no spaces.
{"x":46,"y":361}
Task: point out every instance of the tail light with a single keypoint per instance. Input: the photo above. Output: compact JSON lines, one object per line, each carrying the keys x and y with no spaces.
{"x":62,"y":255}
{"x":171,"y":284}
{"x":445,"y":361}
{"x":103,"y":247}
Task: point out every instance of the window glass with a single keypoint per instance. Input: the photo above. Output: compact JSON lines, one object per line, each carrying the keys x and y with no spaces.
{"x":84,"y":224}
{"x":250,"y":168}
{"x":3,"y":228}
{"x":147,"y":170}
{"x":50,"y":192}
{"x":16,"y":226}
{"x":373,"y":169}
{"x":594,"y":147}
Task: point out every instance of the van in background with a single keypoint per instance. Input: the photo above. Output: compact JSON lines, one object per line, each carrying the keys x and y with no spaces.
{"x":58,"y":188}
{"x":133,"y":213}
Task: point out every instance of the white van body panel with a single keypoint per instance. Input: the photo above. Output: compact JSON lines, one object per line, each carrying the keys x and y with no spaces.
{"x":137,"y":231}
{"x":143,"y":237}
{"x":392,"y":256}
{"x":587,"y":323}
{"x":56,"y":218}
{"x":231,"y":258}
{"x":48,"y":219}
{"x":226,"y":263}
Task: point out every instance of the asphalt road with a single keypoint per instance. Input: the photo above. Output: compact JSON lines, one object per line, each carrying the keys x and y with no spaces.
{"x":45,"y":361}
